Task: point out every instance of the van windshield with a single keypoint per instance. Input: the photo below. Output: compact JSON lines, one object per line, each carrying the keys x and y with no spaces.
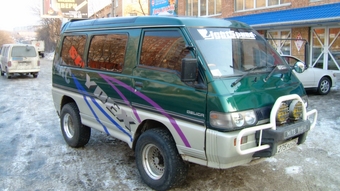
{"x":23,"y":51}
{"x":230,"y":52}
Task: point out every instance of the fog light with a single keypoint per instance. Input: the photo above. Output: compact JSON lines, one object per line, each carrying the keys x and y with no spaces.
{"x":295,"y":110}
{"x":282,"y":114}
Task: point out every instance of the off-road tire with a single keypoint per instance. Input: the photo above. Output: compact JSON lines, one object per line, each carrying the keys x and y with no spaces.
{"x":74,"y":132}
{"x":158,"y":161}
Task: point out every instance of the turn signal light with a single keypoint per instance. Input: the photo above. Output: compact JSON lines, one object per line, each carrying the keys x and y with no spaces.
{"x":243,"y":140}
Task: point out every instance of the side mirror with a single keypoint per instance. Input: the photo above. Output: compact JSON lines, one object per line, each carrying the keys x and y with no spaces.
{"x":299,"y":67}
{"x":189,"y":70}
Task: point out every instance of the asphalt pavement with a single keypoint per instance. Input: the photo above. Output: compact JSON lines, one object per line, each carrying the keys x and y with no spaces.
{"x":34,"y":156}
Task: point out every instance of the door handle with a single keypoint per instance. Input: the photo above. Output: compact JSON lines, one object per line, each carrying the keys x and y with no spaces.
{"x":138,"y":85}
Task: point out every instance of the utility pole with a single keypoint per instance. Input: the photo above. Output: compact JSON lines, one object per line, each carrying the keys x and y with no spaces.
{"x":113,"y":11}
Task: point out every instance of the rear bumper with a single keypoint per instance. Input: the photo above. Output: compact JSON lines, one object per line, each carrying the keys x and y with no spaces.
{"x":23,"y":71}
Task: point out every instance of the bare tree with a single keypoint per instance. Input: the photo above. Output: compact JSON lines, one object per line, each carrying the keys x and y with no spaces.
{"x":49,"y":32}
{"x":5,"y":38}
{"x":133,"y":9}
{"x":141,"y":7}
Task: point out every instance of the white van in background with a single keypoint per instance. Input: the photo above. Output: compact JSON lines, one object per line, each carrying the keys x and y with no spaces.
{"x":19,"y":59}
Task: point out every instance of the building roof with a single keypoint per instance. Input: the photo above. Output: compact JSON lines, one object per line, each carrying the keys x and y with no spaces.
{"x":306,"y":16}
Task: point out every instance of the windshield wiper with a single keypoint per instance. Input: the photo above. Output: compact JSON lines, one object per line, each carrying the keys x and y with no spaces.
{"x":247,"y":72}
{"x":281,"y":68}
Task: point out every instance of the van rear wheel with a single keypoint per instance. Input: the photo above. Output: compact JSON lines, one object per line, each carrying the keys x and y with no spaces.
{"x":158,"y":161}
{"x":75,"y":134}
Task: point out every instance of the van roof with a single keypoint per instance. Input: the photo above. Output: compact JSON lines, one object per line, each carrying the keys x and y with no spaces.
{"x":16,"y":45}
{"x":149,"y":21}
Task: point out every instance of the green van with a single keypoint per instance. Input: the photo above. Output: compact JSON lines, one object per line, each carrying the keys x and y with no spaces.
{"x":177,"y":90}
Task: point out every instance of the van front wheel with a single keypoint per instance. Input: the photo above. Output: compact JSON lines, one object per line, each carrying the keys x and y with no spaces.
{"x":75,"y":134}
{"x":158,"y":161}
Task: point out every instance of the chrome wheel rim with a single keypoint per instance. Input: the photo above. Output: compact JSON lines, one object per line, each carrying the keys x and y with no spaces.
{"x":153,"y":161}
{"x":324,"y":86}
{"x":68,"y":126}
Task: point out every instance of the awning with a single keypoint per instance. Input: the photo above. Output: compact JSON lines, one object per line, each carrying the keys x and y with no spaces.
{"x":306,"y":16}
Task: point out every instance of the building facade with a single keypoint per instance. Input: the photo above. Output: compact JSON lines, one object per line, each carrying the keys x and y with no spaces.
{"x":124,"y":8}
{"x":307,"y":29}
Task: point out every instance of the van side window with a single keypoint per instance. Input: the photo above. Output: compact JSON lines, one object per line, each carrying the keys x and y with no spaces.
{"x":107,"y":52}
{"x":163,"y":49}
{"x":73,"y":50}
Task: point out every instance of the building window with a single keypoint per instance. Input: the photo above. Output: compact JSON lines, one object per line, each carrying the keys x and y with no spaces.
{"x":203,"y":8}
{"x":107,"y":52}
{"x":280,"y":40}
{"x":241,"y":5}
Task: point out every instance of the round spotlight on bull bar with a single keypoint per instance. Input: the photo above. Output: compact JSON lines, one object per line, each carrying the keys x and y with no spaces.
{"x":295,"y":110}
{"x":282,"y":114}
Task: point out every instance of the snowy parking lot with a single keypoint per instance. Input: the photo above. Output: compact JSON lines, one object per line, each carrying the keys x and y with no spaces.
{"x":34,"y":155}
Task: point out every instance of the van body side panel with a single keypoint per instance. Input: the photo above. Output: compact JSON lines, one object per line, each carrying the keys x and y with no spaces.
{"x":182,"y":105}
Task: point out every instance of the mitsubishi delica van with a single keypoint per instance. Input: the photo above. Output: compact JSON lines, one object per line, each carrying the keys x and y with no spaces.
{"x":178,"y":90}
{"x":20,"y":59}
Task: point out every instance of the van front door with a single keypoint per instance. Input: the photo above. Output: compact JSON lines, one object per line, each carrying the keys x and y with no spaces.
{"x":162,"y":96}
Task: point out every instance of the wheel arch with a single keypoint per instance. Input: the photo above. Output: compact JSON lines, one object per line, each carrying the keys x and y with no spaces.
{"x":146,"y":125}
{"x":329,"y":78}
{"x":65,"y":100}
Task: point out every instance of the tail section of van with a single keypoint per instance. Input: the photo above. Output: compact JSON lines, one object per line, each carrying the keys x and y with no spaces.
{"x":19,"y":59}
{"x":177,"y":90}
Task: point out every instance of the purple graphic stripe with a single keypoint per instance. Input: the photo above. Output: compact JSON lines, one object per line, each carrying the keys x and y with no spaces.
{"x":151,"y":102}
{"x":126,"y":101}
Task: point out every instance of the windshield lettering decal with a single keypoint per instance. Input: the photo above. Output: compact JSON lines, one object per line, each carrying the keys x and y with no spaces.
{"x":211,"y":35}
{"x":216,"y":72}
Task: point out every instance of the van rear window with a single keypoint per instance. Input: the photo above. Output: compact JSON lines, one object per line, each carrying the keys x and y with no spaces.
{"x":73,"y":50}
{"x":23,"y":51}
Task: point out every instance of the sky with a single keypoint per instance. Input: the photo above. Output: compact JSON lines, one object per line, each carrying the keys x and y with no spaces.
{"x":18,"y":13}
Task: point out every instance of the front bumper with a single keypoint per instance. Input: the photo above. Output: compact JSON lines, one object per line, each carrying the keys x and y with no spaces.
{"x":268,"y":136}
{"x":274,"y":138}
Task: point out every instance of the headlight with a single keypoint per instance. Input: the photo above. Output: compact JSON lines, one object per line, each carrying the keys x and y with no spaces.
{"x":232,"y":121}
